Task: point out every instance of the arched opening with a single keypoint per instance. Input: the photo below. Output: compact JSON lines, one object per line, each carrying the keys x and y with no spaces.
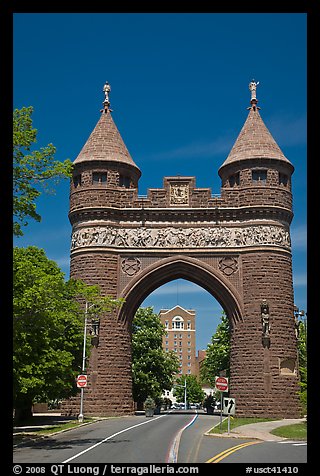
{"x":193,"y":271}
{"x":188,"y":268}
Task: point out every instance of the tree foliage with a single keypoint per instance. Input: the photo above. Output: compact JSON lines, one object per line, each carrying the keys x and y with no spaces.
{"x":48,"y":323}
{"x":31,"y":168}
{"x":217,"y":353}
{"x":302,"y":353}
{"x":153,"y":368}
{"x":195,"y":394}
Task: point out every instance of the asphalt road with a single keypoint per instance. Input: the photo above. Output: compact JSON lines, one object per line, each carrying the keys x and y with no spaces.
{"x":167,"y":438}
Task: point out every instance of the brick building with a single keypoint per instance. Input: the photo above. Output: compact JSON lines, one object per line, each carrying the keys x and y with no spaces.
{"x":236,"y":246}
{"x":180,"y":325}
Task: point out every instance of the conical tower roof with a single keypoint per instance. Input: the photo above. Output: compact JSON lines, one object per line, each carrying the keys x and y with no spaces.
{"x":105,"y":142}
{"x":254,"y":141}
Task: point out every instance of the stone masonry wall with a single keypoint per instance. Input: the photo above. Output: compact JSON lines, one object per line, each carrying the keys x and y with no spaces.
{"x":261,"y":383}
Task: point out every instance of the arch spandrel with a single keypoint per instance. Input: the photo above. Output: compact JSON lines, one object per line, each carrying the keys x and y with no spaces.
{"x":184,"y":267}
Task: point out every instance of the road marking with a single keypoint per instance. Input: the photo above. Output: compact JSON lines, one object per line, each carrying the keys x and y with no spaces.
{"x":174,"y":448}
{"x":300,"y":444}
{"x":286,"y":442}
{"x":217,"y":458}
{"x":110,"y":437}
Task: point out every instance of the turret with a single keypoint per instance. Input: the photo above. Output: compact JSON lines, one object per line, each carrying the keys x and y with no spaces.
{"x":104,"y":173}
{"x":256,"y":172}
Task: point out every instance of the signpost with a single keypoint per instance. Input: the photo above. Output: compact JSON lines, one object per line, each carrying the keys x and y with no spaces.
{"x":222,"y":384}
{"x":82,"y":381}
{"x":229,"y":408}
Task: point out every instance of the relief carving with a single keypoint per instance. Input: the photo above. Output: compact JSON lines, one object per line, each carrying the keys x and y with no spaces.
{"x":228,"y":265}
{"x":213,"y":237}
{"x":179,"y":194}
{"x":130,"y":266}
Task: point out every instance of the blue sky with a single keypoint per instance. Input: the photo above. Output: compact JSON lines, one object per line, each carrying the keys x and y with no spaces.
{"x":179,"y":97}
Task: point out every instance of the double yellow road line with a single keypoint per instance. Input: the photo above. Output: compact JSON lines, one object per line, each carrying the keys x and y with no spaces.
{"x":217,"y":458}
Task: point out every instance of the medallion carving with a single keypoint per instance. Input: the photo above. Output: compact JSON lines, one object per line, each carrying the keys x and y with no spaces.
{"x":228,"y":265}
{"x":130,"y":266}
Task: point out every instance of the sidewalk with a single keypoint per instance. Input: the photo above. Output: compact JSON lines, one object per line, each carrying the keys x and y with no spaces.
{"x":260,"y":431}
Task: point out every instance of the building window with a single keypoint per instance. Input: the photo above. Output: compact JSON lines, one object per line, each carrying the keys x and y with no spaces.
{"x":283,"y":179}
{"x":177,"y":323}
{"x":99,"y":178}
{"x":189,"y":325}
{"x":166,"y":324}
{"x":234,"y":180}
{"x":77,"y":180}
{"x":259,"y":176}
{"x":124,"y":181}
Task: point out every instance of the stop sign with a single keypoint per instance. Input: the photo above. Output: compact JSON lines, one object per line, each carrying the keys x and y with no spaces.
{"x":81,"y":381}
{"x":222,"y":384}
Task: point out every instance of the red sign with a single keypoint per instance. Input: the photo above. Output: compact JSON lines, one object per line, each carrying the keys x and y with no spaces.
{"x":82,"y":381}
{"x":222,"y":384}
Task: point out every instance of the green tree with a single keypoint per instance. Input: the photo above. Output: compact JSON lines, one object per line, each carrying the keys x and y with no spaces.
{"x":302,"y":352}
{"x":195,"y":394}
{"x":31,"y":169}
{"x":48,"y":323}
{"x":152,"y":368}
{"x":217,"y":353}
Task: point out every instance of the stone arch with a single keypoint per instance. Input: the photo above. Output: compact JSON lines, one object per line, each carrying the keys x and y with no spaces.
{"x":185,"y":267}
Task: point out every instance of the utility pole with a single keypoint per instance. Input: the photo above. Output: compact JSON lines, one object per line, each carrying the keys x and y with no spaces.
{"x":83,"y":368}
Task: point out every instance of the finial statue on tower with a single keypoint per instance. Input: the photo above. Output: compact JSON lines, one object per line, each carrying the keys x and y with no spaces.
{"x":253,"y":87}
{"x":106,"y":90}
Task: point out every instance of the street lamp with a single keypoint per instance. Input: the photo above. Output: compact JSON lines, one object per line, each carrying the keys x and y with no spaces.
{"x":80,"y":417}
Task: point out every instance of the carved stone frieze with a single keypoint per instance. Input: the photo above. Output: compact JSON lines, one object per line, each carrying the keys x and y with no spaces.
{"x":171,"y":237}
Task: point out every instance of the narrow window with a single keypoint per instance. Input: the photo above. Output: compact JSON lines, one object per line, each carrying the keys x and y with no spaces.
{"x":124,"y":181}
{"x":283,"y":179}
{"x":234,"y":180}
{"x":99,"y":178}
{"x":259,"y":176}
{"x":77,"y":181}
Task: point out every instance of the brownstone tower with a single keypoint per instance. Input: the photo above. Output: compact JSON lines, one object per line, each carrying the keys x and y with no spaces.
{"x":236,"y":246}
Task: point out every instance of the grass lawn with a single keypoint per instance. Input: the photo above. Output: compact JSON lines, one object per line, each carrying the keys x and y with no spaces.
{"x":48,"y":430}
{"x":298,"y":431}
{"x":234,"y":422}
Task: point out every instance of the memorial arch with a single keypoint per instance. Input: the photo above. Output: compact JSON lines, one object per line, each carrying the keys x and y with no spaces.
{"x":236,"y":246}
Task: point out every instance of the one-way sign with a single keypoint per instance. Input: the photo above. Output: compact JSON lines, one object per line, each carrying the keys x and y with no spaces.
{"x":229,"y":406}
